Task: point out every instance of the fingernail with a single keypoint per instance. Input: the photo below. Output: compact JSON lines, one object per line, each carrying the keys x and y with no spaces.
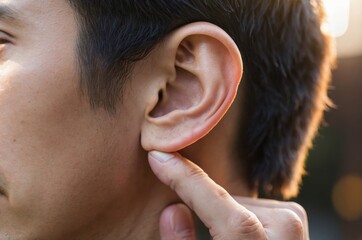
{"x":161,"y":156}
{"x":182,"y":221}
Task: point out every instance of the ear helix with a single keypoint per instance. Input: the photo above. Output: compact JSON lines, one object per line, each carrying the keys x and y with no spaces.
{"x":205,"y":71}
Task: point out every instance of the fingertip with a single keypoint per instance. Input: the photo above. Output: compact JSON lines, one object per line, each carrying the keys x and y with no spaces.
{"x":182,"y":221}
{"x":162,"y":157}
{"x":176,"y":222}
{"x":166,"y":229}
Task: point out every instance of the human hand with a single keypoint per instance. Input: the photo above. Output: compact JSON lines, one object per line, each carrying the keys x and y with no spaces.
{"x":227,"y":217}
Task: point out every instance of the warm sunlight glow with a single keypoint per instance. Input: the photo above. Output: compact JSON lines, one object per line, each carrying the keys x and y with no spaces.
{"x":338,"y":16}
{"x":347,"y":197}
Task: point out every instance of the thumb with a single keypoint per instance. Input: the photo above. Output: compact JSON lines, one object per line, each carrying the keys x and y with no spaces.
{"x":176,"y":223}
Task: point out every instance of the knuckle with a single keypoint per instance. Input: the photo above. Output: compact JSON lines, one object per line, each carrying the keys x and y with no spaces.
{"x":246,"y":225}
{"x":298,"y":209}
{"x":293,"y":224}
{"x":195,"y":173}
{"x":174,"y":177}
{"x":221,"y":193}
{"x":173,"y":183}
{"x":180,"y":173}
{"x":193,"y":176}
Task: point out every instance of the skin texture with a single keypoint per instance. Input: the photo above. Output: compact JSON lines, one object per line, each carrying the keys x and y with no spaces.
{"x":225,"y":216}
{"x":59,"y":158}
{"x":71,"y":172}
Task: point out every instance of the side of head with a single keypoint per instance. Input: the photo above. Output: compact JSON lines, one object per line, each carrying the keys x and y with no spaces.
{"x":73,"y":167}
{"x":287,"y":60}
{"x":154,"y":75}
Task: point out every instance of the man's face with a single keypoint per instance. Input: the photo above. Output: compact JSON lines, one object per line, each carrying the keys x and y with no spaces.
{"x":59,"y":160}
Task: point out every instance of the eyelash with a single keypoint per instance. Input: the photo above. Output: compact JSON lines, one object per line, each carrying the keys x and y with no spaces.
{"x":4,"y":37}
{"x":4,"y":41}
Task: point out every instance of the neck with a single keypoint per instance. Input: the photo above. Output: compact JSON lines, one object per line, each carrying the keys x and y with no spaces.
{"x":144,"y":223}
{"x":138,"y":217}
{"x":134,"y":214}
{"x":140,"y":222}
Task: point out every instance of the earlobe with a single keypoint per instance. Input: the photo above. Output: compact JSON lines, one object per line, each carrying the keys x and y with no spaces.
{"x":206,"y":70}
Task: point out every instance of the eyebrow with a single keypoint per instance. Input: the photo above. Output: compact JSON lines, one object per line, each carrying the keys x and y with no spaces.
{"x":8,"y":14}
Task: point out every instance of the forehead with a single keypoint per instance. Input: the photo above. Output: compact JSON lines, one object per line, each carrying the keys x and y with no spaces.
{"x":25,"y":12}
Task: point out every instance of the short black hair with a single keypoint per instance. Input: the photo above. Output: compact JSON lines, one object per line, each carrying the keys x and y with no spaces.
{"x":286,"y":56}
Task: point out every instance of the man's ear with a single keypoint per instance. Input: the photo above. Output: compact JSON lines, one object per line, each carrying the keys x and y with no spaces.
{"x":194,"y":78}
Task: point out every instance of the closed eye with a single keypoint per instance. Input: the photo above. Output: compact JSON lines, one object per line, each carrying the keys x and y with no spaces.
{"x":5,"y":37}
{"x":4,"y":41}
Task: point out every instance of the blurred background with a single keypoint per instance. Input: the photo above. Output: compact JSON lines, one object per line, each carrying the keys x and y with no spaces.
{"x":332,"y":190}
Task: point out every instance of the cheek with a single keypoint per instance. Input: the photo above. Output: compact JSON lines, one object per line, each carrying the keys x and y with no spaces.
{"x":56,"y":153}
{"x":37,"y":109}
{"x":71,"y":198}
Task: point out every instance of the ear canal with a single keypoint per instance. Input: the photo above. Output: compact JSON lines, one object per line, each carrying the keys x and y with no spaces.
{"x":182,"y":94}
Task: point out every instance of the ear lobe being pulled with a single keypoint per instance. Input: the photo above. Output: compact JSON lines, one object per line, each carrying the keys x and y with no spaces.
{"x":206,"y":71}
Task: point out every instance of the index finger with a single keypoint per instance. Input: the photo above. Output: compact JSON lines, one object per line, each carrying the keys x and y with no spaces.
{"x":213,"y":204}
{"x":273,"y":204}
